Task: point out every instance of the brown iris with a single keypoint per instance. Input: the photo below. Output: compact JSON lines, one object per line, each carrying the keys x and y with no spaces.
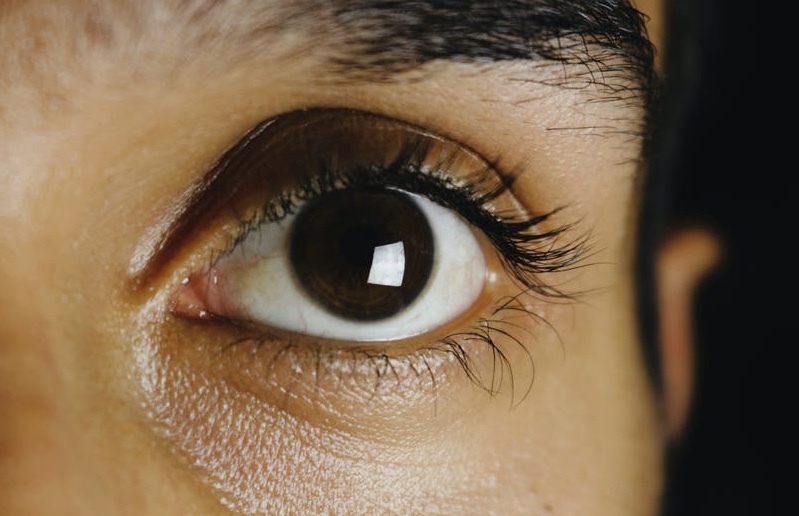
{"x":362,"y":254}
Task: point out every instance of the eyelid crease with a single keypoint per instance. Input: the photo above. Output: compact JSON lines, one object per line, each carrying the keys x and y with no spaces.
{"x":153,"y":249}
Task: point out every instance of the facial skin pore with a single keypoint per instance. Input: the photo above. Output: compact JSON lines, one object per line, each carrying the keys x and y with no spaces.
{"x":111,"y":113}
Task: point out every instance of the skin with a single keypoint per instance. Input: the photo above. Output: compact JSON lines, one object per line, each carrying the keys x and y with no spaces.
{"x":108,"y":405}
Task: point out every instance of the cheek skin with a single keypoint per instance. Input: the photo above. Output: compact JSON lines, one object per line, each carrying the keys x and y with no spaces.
{"x":264,"y":460}
{"x":68,"y":442}
{"x":582,"y":440}
{"x":566,"y":449}
{"x":139,"y":421}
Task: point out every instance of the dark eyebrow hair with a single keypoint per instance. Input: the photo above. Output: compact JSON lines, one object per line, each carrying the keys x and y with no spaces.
{"x":369,"y":39}
{"x":349,"y":40}
{"x":398,"y":35}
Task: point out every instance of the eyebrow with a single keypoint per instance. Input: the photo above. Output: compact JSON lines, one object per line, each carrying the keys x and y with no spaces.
{"x":356,"y":39}
{"x":394,"y":36}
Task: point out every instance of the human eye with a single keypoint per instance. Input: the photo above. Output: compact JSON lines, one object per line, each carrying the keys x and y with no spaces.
{"x":357,"y":264}
{"x":347,"y":241}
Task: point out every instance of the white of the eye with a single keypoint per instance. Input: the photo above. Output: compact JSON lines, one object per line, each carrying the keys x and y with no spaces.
{"x":257,"y":278}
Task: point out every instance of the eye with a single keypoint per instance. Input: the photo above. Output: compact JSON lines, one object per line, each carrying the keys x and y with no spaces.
{"x":361,"y":264}
{"x":338,"y":235}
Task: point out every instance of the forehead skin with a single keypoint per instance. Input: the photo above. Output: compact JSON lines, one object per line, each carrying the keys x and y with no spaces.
{"x":111,"y":111}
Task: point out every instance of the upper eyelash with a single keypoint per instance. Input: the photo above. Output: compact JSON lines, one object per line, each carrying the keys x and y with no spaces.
{"x":512,"y":236}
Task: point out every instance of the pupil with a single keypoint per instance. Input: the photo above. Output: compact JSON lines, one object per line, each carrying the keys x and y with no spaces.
{"x":357,"y":246}
{"x":362,"y":254}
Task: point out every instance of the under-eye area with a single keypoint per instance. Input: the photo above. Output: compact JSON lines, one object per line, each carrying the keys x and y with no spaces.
{"x":333,"y":256}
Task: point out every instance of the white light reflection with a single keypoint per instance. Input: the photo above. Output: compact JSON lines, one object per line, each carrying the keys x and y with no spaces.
{"x":388,"y":265}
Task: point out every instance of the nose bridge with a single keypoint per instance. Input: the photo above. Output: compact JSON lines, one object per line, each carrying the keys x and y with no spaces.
{"x":43,"y":465}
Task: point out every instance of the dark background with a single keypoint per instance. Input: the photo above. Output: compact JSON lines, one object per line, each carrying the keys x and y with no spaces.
{"x":725,"y":180}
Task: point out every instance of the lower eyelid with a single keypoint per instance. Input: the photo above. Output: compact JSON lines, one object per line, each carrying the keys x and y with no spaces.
{"x":345,"y":387}
{"x":298,"y":372}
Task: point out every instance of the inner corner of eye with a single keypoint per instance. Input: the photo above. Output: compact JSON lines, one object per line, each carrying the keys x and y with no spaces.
{"x":359,"y":264}
{"x":196,"y":296}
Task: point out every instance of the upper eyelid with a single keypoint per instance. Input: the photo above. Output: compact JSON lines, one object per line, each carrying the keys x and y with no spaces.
{"x":221,"y":183}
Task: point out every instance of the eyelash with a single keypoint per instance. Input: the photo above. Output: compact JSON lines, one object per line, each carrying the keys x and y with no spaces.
{"x":524,"y":253}
{"x":510,"y":236}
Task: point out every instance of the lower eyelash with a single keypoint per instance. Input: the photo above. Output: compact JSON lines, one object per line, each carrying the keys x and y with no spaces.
{"x":375,"y":367}
{"x":485,"y":332}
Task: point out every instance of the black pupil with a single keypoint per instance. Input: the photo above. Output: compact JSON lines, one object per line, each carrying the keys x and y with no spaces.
{"x":362,"y":254}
